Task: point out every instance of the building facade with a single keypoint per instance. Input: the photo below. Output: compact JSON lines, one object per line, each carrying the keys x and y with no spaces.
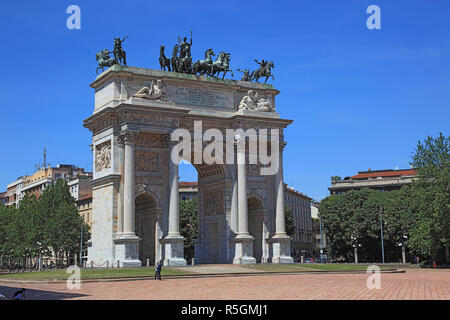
{"x":384,"y":180}
{"x":14,"y":193}
{"x":303,"y":240}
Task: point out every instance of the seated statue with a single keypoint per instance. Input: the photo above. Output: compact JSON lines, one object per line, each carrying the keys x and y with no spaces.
{"x":157,"y":91}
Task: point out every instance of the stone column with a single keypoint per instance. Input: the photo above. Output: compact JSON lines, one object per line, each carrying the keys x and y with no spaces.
{"x":126,"y":242}
{"x":173,"y":242}
{"x":234,"y":206}
{"x":121,"y":144}
{"x":243,"y":239}
{"x":174,"y":223}
{"x":242,"y":195}
{"x":128,"y":195}
{"x":281,"y":242}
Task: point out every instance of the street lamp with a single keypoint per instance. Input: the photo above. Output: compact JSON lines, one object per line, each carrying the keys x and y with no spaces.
{"x":40,"y":256}
{"x":320,"y":226}
{"x":355,"y":245}
{"x":81,"y":246}
{"x":403,"y":248}
{"x":381,"y":231}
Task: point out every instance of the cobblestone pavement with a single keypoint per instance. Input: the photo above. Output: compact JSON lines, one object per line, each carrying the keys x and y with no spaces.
{"x":414,"y":284}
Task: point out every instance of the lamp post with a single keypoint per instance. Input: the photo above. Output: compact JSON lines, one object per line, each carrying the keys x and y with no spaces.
{"x":403,"y":248}
{"x":320,"y":227}
{"x":81,"y":245}
{"x":40,"y":256}
{"x":355,"y":245}
{"x":381,"y":230}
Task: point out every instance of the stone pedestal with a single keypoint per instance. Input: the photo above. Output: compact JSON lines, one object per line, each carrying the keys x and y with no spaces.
{"x":174,"y":251}
{"x":244,"y":250}
{"x":127,"y":251}
{"x":281,"y":248}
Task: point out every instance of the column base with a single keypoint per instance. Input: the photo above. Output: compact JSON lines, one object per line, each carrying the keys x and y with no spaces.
{"x":281,"y":249}
{"x":127,"y":250}
{"x":243,"y":253}
{"x":174,"y":251}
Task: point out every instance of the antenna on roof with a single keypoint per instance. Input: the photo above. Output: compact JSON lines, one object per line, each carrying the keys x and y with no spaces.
{"x":45,"y":158}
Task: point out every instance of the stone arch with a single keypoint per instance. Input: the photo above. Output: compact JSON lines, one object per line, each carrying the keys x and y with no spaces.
{"x":256,"y":215}
{"x":147,"y":217}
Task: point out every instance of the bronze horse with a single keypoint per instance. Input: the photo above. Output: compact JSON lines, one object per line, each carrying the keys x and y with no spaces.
{"x":163,"y":60}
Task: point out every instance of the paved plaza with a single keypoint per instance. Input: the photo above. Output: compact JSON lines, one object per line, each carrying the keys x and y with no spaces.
{"x":414,"y":284}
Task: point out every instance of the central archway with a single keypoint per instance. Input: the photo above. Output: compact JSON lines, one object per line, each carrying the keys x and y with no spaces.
{"x":211,"y":245}
{"x":147,"y":226}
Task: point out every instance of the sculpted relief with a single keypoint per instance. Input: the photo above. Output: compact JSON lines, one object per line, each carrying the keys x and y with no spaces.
{"x":146,"y":161}
{"x":103,"y":156}
{"x":252,"y":101}
{"x":213,"y":203}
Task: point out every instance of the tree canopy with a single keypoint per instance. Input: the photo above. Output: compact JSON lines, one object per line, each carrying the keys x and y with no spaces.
{"x":50,"y":225}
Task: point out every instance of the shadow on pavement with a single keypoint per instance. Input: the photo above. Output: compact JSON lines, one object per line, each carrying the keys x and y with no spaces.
{"x":34,"y":294}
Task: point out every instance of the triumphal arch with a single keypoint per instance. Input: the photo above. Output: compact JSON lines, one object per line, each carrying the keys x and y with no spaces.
{"x":136,"y":124}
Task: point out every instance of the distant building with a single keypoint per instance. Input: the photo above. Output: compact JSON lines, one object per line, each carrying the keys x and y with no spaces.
{"x":38,"y":181}
{"x":3,"y":198}
{"x":81,"y":190}
{"x":303,"y":240}
{"x":384,"y":180}
{"x":187,"y":190}
{"x":14,"y":193}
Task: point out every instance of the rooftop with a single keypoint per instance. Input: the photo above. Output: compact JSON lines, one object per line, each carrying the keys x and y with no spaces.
{"x":385,"y":173}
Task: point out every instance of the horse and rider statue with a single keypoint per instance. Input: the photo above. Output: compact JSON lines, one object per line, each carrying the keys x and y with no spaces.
{"x":104,"y":59}
{"x":265,"y":70}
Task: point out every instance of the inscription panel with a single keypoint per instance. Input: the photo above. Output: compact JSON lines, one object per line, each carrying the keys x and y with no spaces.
{"x":201,"y":97}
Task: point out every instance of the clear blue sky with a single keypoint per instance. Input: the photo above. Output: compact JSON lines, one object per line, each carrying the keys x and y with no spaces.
{"x":359,"y":98}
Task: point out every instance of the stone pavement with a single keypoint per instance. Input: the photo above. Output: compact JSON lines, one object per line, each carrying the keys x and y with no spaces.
{"x":218,"y":269}
{"x":414,"y":284}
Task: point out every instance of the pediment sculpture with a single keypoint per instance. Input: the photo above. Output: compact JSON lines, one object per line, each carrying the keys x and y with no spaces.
{"x":157,"y":91}
{"x":252,"y":101}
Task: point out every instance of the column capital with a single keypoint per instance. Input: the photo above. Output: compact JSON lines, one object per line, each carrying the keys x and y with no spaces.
{"x":127,"y":137}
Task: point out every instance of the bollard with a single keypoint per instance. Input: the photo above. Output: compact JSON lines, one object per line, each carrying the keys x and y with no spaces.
{"x":192,"y":261}
{"x":302,"y":259}
{"x":148,"y":263}
{"x":92,"y":264}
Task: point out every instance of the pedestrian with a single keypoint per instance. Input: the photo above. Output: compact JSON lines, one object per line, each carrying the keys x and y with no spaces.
{"x":158,"y":270}
{"x":19,"y":294}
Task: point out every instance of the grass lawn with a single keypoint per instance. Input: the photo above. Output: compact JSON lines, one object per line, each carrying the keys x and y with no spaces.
{"x":94,"y":273}
{"x":307,"y":267}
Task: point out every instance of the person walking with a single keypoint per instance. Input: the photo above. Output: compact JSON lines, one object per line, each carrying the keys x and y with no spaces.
{"x":158,"y":270}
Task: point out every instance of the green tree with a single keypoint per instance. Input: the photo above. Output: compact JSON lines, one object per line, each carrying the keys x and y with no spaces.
{"x":290,"y":222}
{"x":189,"y":225}
{"x":63,"y":230}
{"x":430,"y":236}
